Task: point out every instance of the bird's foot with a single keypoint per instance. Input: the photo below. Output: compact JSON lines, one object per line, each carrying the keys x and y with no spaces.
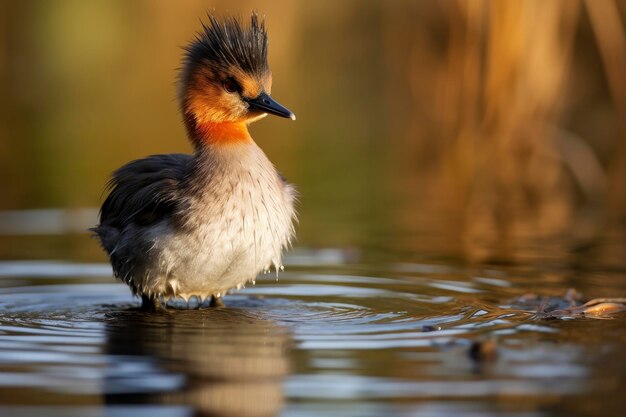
{"x":179,"y":303}
{"x":216,"y":301}
{"x":151,"y":304}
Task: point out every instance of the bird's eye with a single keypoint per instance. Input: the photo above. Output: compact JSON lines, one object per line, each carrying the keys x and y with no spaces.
{"x":231,"y":86}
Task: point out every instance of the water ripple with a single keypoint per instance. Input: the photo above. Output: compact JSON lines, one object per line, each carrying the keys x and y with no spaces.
{"x":326,"y":332}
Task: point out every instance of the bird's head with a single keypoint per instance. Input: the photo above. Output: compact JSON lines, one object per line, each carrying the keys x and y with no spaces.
{"x":225,"y":77}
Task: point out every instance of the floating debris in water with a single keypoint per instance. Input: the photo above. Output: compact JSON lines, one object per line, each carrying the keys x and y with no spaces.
{"x":428,"y":328}
{"x":570,"y":306}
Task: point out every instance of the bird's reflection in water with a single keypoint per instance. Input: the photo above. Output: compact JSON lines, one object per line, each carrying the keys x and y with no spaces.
{"x":218,"y":362}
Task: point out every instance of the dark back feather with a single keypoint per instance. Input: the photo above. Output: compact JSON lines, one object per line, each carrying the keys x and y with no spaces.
{"x":145,"y":190}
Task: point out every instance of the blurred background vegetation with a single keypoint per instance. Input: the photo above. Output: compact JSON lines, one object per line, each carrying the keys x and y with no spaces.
{"x":486,"y":130}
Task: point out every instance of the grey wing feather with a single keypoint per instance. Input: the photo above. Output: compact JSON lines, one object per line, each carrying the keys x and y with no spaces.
{"x":142,"y":192}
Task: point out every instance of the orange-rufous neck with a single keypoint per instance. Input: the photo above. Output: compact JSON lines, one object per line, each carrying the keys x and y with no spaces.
{"x":223,"y":133}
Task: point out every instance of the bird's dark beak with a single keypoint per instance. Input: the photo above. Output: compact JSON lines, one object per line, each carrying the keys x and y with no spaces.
{"x":267,"y":104}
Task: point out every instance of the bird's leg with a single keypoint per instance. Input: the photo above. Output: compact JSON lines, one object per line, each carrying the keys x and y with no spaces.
{"x":216,"y":301}
{"x":151,"y":304}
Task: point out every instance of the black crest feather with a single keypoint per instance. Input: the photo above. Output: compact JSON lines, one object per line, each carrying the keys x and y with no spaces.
{"x":228,"y":43}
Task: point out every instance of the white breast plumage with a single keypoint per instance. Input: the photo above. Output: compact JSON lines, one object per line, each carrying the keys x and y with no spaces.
{"x":235,"y":225}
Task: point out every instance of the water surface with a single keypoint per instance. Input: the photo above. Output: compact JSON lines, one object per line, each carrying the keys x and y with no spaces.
{"x":340,"y":333}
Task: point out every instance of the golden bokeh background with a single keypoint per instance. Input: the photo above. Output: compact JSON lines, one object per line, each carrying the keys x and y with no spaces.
{"x":488,"y":130}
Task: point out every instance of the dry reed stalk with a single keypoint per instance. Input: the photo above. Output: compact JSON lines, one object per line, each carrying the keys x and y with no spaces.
{"x":520,"y":192}
{"x":611,"y":38}
{"x":507,"y":63}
